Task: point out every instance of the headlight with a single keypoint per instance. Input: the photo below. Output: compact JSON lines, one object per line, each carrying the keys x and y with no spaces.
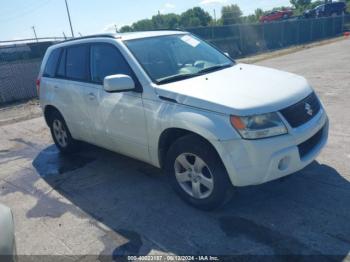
{"x":259,"y":126}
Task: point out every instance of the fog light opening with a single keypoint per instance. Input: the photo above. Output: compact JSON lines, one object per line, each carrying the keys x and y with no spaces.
{"x":283,"y":163}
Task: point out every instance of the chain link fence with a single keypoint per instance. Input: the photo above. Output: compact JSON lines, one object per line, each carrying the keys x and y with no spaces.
{"x":19,"y":67}
{"x":246,"y":39}
{"x":20,"y":63}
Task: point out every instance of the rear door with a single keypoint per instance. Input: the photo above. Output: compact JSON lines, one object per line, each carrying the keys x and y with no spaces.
{"x":72,"y":88}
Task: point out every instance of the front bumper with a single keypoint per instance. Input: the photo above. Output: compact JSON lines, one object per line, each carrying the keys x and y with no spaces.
{"x":253,"y":162}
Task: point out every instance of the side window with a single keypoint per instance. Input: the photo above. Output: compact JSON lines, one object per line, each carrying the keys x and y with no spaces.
{"x":77,"y":62}
{"x":61,"y":71}
{"x":107,"y":60}
{"x":51,"y":65}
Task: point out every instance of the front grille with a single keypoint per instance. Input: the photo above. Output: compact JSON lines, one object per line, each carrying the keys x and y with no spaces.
{"x":307,"y":146}
{"x":303,"y":111}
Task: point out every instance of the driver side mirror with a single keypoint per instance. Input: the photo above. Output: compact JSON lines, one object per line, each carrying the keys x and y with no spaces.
{"x":118,"y":83}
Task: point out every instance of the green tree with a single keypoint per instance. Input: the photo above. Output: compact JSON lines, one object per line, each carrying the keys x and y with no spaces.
{"x":347,"y":5}
{"x":300,"y":5}
{"x":143,"y":25}
{"x":258,"y":13}
{"x":231,"y":14}
{"x":195,"y":17}
{"x":316,"y":3}
{"x":167,"y":21}
{"x":249,"y":19}
{"x":125,"y":29}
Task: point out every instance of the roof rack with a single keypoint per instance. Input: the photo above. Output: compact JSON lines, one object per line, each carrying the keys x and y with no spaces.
{"x":115,"y":36}
{"x":158,"y":29}
{"x":90,"y":36}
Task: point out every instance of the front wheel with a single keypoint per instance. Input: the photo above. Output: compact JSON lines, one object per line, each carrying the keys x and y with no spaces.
{"x":197,"y":173}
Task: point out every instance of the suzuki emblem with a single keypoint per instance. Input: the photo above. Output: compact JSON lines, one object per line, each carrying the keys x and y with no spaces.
{"x":308,"y":109}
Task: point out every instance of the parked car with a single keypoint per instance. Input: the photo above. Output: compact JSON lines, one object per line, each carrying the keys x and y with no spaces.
{"x":276,"y":15}
{"x":7,"y":235}
{"x":330,"y":9}
{"x":176,"y":102}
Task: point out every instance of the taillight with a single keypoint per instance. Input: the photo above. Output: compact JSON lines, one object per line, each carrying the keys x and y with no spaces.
{"x":38,"y":86}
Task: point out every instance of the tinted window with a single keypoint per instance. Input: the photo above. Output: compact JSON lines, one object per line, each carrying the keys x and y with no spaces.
{"x":107,"y":60}
{"x":51,"y":65}
{"x":61,"y":71}
{"x":77,"y":62}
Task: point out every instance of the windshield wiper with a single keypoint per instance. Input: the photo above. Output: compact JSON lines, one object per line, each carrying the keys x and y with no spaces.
{"x":175,"y":78}
{"x":186,"y":76}
{"x":213,"y":68}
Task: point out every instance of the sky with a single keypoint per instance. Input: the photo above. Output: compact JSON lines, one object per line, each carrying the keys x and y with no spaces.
{"x":49,"y":17}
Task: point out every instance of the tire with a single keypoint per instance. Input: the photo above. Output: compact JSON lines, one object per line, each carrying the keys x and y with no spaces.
{"x":207,"y":186}
{"x":61,"y":134}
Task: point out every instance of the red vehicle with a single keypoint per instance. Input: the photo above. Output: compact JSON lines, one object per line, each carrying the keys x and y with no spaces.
{"x":276,"y":15}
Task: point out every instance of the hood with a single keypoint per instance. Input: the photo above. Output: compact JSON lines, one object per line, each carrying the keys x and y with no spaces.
{"x":239,"y":90}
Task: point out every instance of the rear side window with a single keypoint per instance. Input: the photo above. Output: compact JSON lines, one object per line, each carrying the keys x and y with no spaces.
{"x":77,"y":62}
{"x":51,"y":65}
{"x":107,"y":60}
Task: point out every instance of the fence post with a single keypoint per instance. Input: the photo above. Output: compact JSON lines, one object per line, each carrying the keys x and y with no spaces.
{"x":298,"y":31}
{"x":240,"y":38}
{"x":323,"y":28}
{"x":263,"y":35}
{"x":282,"y":34}
{"x":311,"y":30}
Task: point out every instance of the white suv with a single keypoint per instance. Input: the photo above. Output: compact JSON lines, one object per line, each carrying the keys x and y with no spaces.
{"x":174,"y":101}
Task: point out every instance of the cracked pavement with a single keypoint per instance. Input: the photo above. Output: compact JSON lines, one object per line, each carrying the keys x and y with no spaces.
{"x":100,"y":203}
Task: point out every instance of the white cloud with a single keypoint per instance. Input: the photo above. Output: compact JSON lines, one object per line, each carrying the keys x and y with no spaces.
{"x":166,"y":8}
{"x":169,"y":6}
{"x":210,"y":2}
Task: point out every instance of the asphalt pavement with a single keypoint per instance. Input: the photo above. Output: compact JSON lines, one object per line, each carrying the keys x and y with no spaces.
{"x":100,"y":203}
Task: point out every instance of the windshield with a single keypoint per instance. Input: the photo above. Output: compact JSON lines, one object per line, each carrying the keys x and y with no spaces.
{"x":176,"y":57}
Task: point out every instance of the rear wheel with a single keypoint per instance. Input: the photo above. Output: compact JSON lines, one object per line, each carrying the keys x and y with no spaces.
{"x":197,"y":173}
{"x":60,"y":133}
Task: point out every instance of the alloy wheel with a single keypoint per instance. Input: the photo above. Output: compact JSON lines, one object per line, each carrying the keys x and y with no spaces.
{"x":194,"y":175}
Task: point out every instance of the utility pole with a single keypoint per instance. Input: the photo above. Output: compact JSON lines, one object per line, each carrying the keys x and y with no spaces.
{"x":36,"y":37}
{"x":70,"y":21}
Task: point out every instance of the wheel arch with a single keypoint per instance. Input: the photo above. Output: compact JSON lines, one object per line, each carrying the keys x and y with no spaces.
{"x":48,"y":110}
{"x":170,"y":136}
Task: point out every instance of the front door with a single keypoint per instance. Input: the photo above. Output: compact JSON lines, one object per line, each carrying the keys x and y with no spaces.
{"x":118,"y":118}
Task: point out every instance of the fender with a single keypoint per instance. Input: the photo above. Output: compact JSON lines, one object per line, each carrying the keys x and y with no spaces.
{"x":162,"y":116}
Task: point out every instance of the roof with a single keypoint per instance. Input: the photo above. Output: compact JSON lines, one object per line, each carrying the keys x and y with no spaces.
{"x":129,"y":36}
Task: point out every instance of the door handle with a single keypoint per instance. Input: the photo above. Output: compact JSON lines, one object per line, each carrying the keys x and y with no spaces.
{"x":91,"y":96}
{"x":56,"y":87}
